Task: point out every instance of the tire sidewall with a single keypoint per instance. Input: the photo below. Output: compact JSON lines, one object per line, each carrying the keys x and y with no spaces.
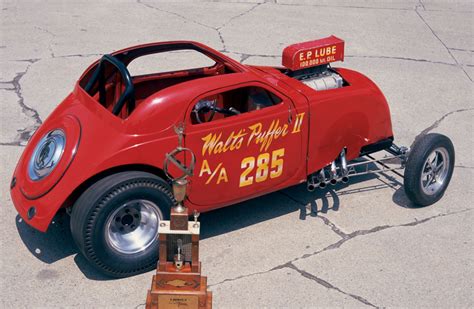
{"x":416,"y":164}
{"x":95,"y":246}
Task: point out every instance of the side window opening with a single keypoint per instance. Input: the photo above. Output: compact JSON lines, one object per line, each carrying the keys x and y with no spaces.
{"x":231,"y":103}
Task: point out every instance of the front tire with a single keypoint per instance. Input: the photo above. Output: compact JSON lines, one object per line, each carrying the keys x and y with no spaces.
{"x":115,"y":222}
{"x":429,"y":169}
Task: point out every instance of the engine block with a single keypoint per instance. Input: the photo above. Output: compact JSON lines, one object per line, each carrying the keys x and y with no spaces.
{"x":324,"y":81}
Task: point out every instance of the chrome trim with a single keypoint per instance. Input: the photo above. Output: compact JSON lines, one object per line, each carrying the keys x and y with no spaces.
{"x":47,"y":154}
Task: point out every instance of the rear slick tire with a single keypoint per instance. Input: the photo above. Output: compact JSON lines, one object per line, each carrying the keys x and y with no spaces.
{"x":429,"y":169}
{"x":115,"y":222}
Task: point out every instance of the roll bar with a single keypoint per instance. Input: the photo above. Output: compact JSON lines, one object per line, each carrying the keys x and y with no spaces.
{"x":129,"y":93}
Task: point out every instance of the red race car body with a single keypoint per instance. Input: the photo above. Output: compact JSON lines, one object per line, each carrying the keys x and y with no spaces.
{"x":236,"y":132}
{"x":275,"y":127}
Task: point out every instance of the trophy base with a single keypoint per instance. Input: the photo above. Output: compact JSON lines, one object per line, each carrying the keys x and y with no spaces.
{"x":172,"y":288}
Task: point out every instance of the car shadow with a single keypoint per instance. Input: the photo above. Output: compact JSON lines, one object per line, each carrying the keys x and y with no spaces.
{"x":53,"y":245}
{"x":57,"y":242}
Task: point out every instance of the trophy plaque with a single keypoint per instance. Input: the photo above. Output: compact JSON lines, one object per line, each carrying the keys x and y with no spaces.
{"x":177,"y":282}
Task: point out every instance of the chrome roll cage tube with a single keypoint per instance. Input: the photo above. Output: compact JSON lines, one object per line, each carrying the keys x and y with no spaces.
{"x":340,"y":170}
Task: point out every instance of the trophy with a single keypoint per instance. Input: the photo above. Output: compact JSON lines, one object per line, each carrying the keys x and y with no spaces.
{"x":178,"y":282}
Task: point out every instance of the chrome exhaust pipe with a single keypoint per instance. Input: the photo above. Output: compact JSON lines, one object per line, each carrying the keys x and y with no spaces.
{"x":344,"y":170}
{"x":333,"y":180}
{"x":312,"y":183}
{"x":322,"y":179}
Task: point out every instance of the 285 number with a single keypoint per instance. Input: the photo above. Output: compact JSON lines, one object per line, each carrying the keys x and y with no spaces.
{"x":265,"y":167}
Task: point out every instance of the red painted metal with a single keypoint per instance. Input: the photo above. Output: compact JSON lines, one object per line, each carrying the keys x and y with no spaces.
{"x":317,"y":126}
{"x":313,"y":53}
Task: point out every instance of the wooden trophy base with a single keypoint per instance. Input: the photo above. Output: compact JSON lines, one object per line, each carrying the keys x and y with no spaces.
{"x":183,"y":289}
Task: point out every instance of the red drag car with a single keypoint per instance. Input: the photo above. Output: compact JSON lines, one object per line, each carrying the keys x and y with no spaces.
{"x":252,"y":129}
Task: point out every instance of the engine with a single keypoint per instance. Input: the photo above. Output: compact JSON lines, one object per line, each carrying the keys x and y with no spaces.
{"x":319,"y":78}
{"x":309,"y":62}
{"x":324,"y":81}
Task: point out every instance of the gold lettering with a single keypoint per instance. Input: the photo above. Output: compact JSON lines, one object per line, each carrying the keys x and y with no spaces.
{"x":222,"y":176}
{"x":210,"y":142}
{"x":205,"y":168}
{"x":256,"y":129}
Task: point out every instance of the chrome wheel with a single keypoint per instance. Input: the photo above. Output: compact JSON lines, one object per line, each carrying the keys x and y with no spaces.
{"x":434,"y":171}
{"x":133,"y":226}
{"x":47,"y":154}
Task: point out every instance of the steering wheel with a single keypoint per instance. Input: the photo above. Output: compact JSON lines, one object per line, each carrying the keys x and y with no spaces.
{"x":210,"y":106}
{"x":204,"y":107}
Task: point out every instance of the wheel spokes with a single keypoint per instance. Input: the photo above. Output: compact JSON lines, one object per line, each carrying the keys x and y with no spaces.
{"x":434,"y":170}
{"x":439,"y":167}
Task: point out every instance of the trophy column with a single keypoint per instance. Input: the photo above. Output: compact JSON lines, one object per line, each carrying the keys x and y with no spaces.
{"x":178,"y":282}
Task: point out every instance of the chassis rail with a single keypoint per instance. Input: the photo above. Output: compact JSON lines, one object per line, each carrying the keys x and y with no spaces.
{"x":340,"y":171}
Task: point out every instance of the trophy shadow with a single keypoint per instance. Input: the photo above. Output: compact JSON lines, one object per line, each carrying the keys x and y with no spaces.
{"x":57,"y":242}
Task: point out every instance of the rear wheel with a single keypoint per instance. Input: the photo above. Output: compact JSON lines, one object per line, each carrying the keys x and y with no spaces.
{"x":115,"y":222}
{"x":429,"y":169}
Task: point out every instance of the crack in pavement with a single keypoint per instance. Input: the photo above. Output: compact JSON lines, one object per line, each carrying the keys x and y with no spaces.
{"x":245,"y":56}
{"x":275,"y":2}
{"x":339,"y":243}
{"x":13,"y":144}
{"x":240,"y":15}
{"x":78,"y":55}
{"x":401,"y":58}
{"x":343,"y":6}
{"x":441,"y":41}
{"x":420,"y":4}
{"x":216,"y":29}
{"x":460,"y":49}
{"x":437,"y":123}
{"x":173,"y":13}
{"x":327,"y":284}
{"x":50,"y":47}
{"x":333,"y":227}
{"x":24,"y":134}
{"x":59,"y":57}
{"x":325,"y":220}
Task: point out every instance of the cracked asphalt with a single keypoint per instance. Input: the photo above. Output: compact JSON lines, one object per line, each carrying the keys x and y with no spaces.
{"x":355,"y":245}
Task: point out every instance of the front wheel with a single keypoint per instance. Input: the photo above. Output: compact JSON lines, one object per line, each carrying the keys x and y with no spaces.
{"x":429,"y":169}
{"x":115,"y":222}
